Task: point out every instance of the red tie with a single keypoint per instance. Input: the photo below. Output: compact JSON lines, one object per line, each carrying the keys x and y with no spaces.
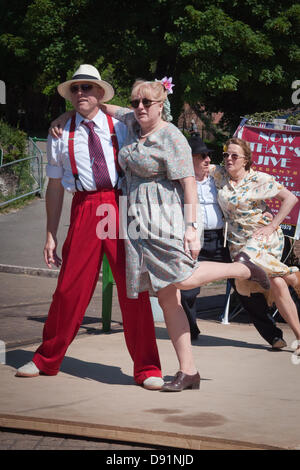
{"x":99,"y":166}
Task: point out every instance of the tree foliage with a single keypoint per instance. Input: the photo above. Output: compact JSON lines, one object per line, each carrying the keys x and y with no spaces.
{"x":238,"y":57}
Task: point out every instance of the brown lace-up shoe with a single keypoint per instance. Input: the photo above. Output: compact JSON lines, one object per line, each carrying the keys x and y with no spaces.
{"x":182,"y":381}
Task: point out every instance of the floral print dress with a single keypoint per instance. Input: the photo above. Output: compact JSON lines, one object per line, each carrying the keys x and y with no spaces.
{"x":243,"y":206}
{"x":153,"y":219}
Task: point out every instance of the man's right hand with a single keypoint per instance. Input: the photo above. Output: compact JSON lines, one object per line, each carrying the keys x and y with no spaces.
{"x":54,"y":200}
{"x":50,"y":255}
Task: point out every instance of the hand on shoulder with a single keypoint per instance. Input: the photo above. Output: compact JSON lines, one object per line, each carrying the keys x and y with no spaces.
{"x":57,"y":126}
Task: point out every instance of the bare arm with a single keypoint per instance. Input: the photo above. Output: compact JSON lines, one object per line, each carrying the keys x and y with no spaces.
{"x":288,"y":201}
{"x":191,"y":238}
{"x":110,"y":109}
{"x":54,"y":202}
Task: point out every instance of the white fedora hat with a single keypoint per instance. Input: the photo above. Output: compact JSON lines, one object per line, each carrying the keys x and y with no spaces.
{"x":86,"y":73}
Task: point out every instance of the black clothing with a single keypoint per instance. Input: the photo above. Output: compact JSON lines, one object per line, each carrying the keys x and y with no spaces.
{"x":256,"y":305}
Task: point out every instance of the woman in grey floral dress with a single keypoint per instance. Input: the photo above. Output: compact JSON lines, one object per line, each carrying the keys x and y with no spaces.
{"x":161,"y":235}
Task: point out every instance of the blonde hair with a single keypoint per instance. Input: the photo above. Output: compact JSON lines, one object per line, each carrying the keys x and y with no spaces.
{"x":245,"y":147}
{"x":151,"y":90}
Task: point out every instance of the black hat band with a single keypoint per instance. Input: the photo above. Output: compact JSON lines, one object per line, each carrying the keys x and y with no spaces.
{"x":83,"y":77}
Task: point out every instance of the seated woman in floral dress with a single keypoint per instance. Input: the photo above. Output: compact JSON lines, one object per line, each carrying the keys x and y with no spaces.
{"x":242,"y":193}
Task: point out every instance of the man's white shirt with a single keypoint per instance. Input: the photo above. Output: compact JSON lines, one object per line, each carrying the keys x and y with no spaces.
{"x":208,"y":198}
{"x":59,"y":165}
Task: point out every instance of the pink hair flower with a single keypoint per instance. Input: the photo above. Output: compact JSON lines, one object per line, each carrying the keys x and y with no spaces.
{"x":167,"y":83}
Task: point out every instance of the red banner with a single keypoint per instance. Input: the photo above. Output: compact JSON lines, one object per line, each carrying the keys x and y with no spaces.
{"x":277,"y":152}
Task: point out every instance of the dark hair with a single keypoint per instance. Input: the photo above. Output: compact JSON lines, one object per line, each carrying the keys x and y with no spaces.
{"x":245,"y":147}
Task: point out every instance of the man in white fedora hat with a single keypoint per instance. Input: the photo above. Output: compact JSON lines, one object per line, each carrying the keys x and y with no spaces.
{"x":87,"y":74}
{"x":84,"y":161}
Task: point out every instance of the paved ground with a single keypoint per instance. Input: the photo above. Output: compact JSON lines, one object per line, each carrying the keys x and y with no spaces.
{"x":26,"y":290}
{"x":24,"y":301}
{"x":248,"y":397}
{"x":246,"y":403}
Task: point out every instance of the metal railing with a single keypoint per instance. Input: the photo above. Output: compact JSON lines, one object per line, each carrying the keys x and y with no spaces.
{"x":23,"y":177}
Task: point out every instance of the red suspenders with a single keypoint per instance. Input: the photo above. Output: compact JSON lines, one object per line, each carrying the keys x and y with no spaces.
{"x":71,"y":150}
{"x":114,"y":141}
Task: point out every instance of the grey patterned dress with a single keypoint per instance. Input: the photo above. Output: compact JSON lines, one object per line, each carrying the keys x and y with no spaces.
{"x":153,"y":219}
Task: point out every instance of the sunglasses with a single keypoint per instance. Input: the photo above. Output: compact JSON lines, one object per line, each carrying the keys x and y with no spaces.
{"x":234,"y":156}
{"x":146,"y":103}
{"x":82,"y":87}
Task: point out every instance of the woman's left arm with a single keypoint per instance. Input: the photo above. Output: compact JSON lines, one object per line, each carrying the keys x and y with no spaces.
{"x":191,"y":236}
{"x":288,"y":201}
{"x":110,"y":109}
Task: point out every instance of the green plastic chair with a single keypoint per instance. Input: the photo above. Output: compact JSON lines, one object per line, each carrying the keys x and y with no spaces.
{"x":107,"y":293}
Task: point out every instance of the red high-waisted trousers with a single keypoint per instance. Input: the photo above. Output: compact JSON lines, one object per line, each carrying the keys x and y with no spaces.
{"x":82,"y":255}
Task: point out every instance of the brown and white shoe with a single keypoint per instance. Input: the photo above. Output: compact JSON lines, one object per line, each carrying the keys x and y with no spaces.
{"x":28,"y":370}
{"x":153,"y":383}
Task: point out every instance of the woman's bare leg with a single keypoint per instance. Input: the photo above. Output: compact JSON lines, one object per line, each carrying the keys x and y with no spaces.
{"x":209,"y":271}
{"x":285,"y":304}
{"x":178,"y":328}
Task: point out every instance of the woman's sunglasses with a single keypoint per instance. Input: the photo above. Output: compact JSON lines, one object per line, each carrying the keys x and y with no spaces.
{"x":146,"y":103}
{"x":82,"y":87}
{"x":234,"y":156}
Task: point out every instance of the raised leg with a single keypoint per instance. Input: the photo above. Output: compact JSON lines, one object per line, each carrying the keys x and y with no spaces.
{"x":209,"y":271}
